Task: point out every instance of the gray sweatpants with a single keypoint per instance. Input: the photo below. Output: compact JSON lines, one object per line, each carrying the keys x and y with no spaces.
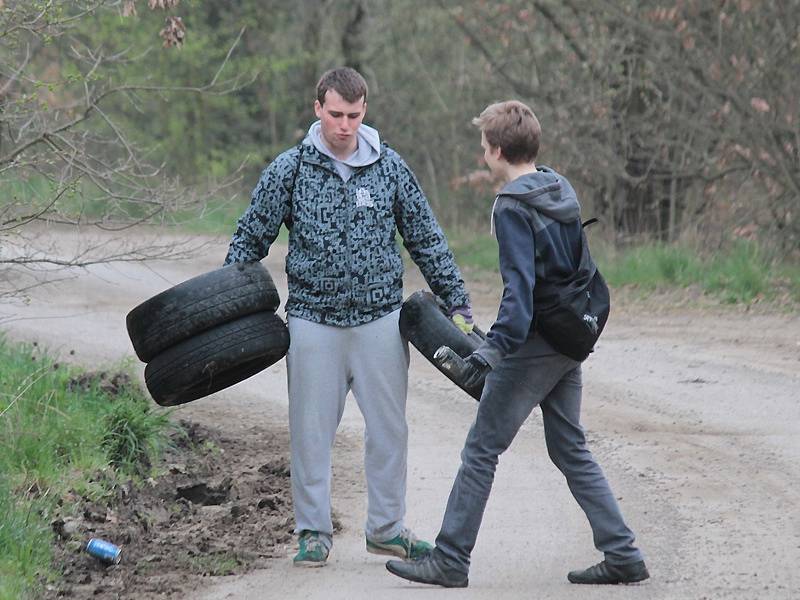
{"x":325,"y":363}
{"x":534,"y":375}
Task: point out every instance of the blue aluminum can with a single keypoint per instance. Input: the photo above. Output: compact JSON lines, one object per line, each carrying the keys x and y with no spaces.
{"x":104,"y":551}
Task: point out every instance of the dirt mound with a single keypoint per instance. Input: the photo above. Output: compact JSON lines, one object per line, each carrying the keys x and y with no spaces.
{"x":110,"y":383}
{"x":222,"y":506}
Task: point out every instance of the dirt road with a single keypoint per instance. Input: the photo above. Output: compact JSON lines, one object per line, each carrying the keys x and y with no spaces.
{"x":693,"y":414}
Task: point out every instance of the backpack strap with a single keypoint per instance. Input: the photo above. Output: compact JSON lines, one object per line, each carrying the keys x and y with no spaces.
{"x":288,"y":220}
{"x":588,"y":222}
{"x":548,"y":293}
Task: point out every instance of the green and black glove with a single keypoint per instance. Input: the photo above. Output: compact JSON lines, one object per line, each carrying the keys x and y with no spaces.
{"x":462,"y":317}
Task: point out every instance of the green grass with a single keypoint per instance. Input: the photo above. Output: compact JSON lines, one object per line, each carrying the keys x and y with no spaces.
{"x":218,"y":220}
{"x":55,"y":437}
{"x":478,"y":252}
{"x":210,"y":564}
{"x":82,"y":199}
{"x":215,"y":219}
{"x":740,"y":274}
{"x":24,"y":543}
{"x":649,"y":267}
{"x":131,"y":435}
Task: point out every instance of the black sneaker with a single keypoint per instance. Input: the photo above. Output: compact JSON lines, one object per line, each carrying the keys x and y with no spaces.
{"x":428,"y":569}
{"x":605,"y":573}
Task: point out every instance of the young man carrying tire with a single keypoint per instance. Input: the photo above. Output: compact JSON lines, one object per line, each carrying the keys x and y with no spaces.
{"x":344,"y":195}
{"x":536,"y":218}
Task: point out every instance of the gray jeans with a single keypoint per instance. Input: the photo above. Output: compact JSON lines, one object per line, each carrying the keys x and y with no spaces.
{"x":534,"y":375}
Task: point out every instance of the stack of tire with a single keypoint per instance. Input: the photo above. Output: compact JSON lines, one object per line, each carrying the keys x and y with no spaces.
{"x":208,"y":333}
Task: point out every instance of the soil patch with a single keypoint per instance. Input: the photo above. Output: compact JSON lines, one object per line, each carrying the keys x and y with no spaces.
{"x":111,"y":383}
{"x":221,"y":506}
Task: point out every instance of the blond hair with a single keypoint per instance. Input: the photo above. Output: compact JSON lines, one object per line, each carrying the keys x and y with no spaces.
{"x":512,"y":127}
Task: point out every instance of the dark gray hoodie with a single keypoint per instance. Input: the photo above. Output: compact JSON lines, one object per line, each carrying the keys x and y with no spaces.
{"x":537,"y":221}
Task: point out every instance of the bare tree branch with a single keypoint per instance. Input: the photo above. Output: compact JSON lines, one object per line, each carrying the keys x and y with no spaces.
{"x":70,"y":141}
{"x":520,"y":87}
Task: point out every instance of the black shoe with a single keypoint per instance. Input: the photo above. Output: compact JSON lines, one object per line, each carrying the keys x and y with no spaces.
{"x":604,"y":573}
{"x":428,"y":570}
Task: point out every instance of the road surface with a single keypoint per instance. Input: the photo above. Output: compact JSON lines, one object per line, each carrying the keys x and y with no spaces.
{"x":694,"y":415}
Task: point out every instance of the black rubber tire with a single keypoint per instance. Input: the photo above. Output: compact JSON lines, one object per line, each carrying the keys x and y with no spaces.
{"x":216,"y":358}
{"x":426,"y":326}
{"x":198,"y":304}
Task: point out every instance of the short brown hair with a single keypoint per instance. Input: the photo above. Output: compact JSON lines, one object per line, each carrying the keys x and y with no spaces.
{"x":346,"y":81}
{"x":512,"y":127}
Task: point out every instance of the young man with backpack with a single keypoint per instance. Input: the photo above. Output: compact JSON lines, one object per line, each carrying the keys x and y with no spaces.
{"x":536,"y":218}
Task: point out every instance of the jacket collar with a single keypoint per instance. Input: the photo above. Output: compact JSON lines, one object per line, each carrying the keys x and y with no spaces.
{"x":313,"y":156}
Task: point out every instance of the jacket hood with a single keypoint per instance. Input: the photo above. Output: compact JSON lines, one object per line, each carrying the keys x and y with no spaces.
{"x":367,"y":152}
{"x":547,"y":192}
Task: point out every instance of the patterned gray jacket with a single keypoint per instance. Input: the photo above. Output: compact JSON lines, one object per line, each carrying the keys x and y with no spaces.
{"x":343,"y":266}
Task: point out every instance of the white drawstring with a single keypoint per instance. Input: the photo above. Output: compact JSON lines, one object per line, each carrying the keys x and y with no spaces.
{"x":491,"y":222}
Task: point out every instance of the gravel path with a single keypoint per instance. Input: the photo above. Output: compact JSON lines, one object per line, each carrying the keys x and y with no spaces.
{"x":693,"y":414}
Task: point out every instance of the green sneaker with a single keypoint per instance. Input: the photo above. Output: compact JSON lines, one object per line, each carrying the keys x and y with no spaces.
{"x":313,"y":553}
{"x":405,"y":545}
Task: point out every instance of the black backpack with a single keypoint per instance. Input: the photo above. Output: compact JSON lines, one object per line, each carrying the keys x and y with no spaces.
{"x":571,"y":313}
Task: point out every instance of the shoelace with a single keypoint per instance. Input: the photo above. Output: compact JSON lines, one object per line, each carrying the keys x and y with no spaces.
{"x":312,"y":544}
{"x":408,"y":536}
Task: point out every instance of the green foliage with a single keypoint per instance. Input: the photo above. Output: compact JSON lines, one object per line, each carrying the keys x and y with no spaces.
{"x":60,"y":430}
{"x":215,"y":564}
{"x":790,"y":279}
{"x":740,"y":273}
{"x":630,"y":111}
{"x":651,"y":266}
{"x":201,"y":135}
{"x":132,"y":434}
{"x":24,"y":543}
{"x":478,"y":252}
{"x":215,"y":219}
{"x":33,"y":191}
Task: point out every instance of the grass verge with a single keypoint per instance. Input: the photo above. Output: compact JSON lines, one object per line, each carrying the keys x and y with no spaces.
{"x":741,"y":274}
{"x":62,"y":431}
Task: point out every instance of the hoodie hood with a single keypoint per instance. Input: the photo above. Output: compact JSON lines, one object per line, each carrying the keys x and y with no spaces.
{"x":547,"y":192}
{"x":367,"y":152}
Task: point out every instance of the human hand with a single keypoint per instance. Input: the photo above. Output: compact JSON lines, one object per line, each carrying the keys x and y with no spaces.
{"x":476,"y":370}
{"x":462,"y":317}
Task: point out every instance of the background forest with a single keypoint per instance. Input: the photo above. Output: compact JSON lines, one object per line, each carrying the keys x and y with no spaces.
{"x":128,"y":128}
{"x":677,"y":120}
